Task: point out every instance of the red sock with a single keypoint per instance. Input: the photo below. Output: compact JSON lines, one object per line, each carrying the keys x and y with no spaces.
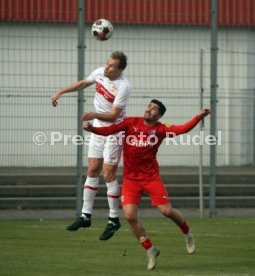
{"x":184,"y":227}
{"x":146,"y":244}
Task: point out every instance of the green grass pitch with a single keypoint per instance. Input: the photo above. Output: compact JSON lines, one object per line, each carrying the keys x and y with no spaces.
{"x":225,"y":246}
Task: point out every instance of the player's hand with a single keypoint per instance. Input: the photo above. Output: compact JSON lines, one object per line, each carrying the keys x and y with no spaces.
{"x":87,"y":116}
{"x":204,"y":112}
{"x":87,"y":126}
{"x":54,"y":98}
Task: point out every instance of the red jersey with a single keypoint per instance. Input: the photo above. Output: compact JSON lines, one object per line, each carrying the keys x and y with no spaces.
{"x":141,"y":143}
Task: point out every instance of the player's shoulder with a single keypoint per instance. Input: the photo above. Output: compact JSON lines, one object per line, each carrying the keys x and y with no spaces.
{"x":99,"y":71}
{"x":124,"y":80}
{"x":167,"y":125}
{"x":161,"y":125}
{"x":133,"y":120}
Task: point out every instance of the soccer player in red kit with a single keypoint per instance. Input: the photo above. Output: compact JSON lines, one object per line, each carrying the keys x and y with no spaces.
{"x":142,"y":138}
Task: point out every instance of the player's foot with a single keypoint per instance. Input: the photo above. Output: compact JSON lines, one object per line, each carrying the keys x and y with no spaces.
{"x":110,"y":230}
{"x":190,"y":244}
{"x":152,"y":255}
{"x":80,"y":222}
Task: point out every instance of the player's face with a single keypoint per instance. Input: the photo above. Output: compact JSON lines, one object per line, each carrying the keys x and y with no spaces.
{"x":111,"y":69}
{"x":152,"y":114}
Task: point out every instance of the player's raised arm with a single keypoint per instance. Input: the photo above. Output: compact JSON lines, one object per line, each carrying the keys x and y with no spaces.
{"x":180,"y":129}
{"x":204,"y":112}
{"x":79,"y":85}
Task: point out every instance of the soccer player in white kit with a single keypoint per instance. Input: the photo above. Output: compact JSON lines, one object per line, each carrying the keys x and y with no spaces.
{"x":112,"y":93}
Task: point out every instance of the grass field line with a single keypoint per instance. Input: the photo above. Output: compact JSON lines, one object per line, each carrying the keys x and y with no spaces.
{"x":94,"y":228}
{"x":168,"y":231}
{"x":221,"y":275}
{"x":236,"y":222}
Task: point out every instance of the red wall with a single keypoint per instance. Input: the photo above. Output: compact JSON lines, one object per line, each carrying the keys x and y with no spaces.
{"x":167,"y":12}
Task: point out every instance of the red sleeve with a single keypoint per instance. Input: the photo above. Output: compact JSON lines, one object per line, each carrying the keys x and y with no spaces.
{"x":180,"y":129}
{"x":105,"y":131}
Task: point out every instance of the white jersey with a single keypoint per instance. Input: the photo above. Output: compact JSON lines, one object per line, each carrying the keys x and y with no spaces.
{"x":109,"y":93}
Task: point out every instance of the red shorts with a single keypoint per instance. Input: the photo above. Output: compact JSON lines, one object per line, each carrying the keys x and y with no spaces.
{"x":132,"y":191}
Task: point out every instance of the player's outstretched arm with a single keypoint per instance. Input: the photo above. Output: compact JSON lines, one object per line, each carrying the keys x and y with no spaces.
{"x":180,"y":129}
{"x":204,"y":112}
{"x":79,"y":85}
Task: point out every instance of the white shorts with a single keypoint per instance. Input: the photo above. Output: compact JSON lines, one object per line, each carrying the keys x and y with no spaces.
{"x":109,"y":148}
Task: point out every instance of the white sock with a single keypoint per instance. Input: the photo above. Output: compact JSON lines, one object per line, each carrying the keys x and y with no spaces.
{"x":113,"y":194}
{"x":189,"y":235}
{"x":89,"y":193}
{"x":152,"y":249}
{"x":85,"y":216}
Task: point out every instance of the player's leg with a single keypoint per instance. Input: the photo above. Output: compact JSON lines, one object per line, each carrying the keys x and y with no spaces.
{"x":91,"y":185}
{"x":176,"y":216}
{"x":112,"y":154}
{"x":89,"y":192}
{"x":113,"y":196}
{"x":95,"y":162}
{"x":130,"y":214}
{"x":160,"y":198}
{"x":130,"y":200}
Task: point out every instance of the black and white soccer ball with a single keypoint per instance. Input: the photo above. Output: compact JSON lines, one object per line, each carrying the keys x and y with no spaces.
{"x":102,"y":29}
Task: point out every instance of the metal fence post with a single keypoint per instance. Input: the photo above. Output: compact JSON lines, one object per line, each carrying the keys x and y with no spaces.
{"x":253,"y":163}
{"x":201,"y":88}
{"x":80,"y":62}
{"x":212,"y":199}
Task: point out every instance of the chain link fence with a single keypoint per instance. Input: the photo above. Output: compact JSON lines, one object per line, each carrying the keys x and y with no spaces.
{"x":39,"y":56}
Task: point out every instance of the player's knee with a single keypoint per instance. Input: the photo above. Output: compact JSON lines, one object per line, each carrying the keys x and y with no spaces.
{"x":109,"y":175}
{"x":167,"y":211}
{"x":130,"y":217}
{"x":93,"y":171}
{"x":94,"y":167}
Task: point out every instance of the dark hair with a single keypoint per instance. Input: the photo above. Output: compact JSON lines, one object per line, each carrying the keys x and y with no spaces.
{"x":162,"y":108}
{"x":121,"y":57}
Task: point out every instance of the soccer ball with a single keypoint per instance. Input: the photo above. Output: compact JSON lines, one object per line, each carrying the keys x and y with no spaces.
{"x":102,"y":29}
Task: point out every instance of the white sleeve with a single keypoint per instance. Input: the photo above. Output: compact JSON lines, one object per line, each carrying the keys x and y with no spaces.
{"x":92,"y":77}
{"x":122,"y":96}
